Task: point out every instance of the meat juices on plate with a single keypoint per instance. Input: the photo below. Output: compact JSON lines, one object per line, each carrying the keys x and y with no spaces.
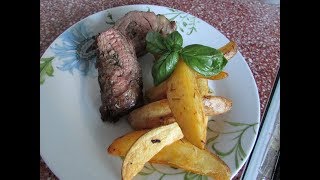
{"x":120,"y":76}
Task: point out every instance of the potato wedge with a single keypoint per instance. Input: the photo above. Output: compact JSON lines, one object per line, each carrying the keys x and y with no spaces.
{"x":158,"y":113}
{"x":146,"y":146}
{"x":216,"y":105}
{"x":151,"y":115}
{"x":229,"y":50}
{"x":180,"y":154}
{"x":221,"y":75}
{"x":159,"y":92}
{"x":186,"y":105}
{"x":203,"y":87}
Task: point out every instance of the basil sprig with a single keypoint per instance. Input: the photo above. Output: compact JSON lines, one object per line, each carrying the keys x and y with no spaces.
{"x":203,"y":59}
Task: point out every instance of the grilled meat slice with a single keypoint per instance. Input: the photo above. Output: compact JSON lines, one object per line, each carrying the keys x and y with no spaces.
{"x":120,"y":75}
{"x":136,"y":24}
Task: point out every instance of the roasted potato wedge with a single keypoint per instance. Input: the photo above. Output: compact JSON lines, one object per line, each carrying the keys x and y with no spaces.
{"x":159,"y":92}
{"x":180,"y":154}
{"x":186,"y":105}
{"x":229,"y":50}
{"x":151,"y":115}
{"x":203,"y":87}
{"x":215,"y":105}
{"x":158,"y":113}
{"x":146,"y":146}
{"x":221,"y":75}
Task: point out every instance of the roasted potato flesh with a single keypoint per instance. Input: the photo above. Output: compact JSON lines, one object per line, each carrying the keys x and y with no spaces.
{"x":203,"y":86}
{"x":216,"y":105}
{"x":146,"y":146}
{"x":157,"y":92}
{"x":158,"y":113}
{"x":186,"y":105}
{"x":151,"y":115}
{"x":180,"y":154}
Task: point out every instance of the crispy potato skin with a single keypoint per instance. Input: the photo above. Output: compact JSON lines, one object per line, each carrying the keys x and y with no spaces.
{"x":153,"y":141}
{"x":186,"y":105}
{"x":180,"y":154}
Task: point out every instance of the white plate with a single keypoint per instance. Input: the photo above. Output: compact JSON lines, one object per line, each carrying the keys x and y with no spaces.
{"x":73,"y":139}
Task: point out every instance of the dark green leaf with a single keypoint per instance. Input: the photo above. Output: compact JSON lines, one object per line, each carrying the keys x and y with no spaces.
{"x":236,"y":158}
{"x":184,"y":24}
{"x":220,"y":153}
{"x":203,"y":59}
{"x":181,"y":30}
{"x":237,"y":123}
{"x":164,"y":67}
{"x":144,"y":173}
{"x":212,"y":139}
{"x":254,"y":130}
{"x":50,"y":70}
{"x":109,"y":15}
{"x":155,"y":43}
{"x":162,"y":176}
{"x":190,"y":176}
{"x":173,"y":41}
{"x":241,"y":149}
{"x":46,"y":68}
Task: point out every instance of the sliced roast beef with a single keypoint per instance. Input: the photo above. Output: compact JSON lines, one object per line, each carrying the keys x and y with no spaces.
{"x":119,"y":75}
{"x":136,"y":24}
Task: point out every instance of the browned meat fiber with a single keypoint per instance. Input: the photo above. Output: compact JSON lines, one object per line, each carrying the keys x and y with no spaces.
{"x":136,"y":24}
{"x":120,"y":76}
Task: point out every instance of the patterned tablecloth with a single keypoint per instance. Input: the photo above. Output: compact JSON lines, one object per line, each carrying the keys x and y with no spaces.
{"x":253,"y":25}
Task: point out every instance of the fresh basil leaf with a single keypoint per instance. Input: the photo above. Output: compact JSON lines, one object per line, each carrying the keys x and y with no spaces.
{"x":164,"y":67}
{"x":155,"y":43}
{"x":173,"y":41}
{"x":203,"y":59}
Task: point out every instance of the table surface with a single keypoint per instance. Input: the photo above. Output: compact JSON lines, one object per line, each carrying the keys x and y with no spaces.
{"x":253,"y":25}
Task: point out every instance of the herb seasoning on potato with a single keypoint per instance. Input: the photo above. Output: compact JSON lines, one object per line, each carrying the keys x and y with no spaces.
{"x":171,"y":129}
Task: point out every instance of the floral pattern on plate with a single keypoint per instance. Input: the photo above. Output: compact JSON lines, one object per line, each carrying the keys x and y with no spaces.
{"x":77,"y":50}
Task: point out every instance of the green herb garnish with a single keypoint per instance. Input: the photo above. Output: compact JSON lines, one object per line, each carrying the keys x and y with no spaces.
{"x":203,"y":59}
